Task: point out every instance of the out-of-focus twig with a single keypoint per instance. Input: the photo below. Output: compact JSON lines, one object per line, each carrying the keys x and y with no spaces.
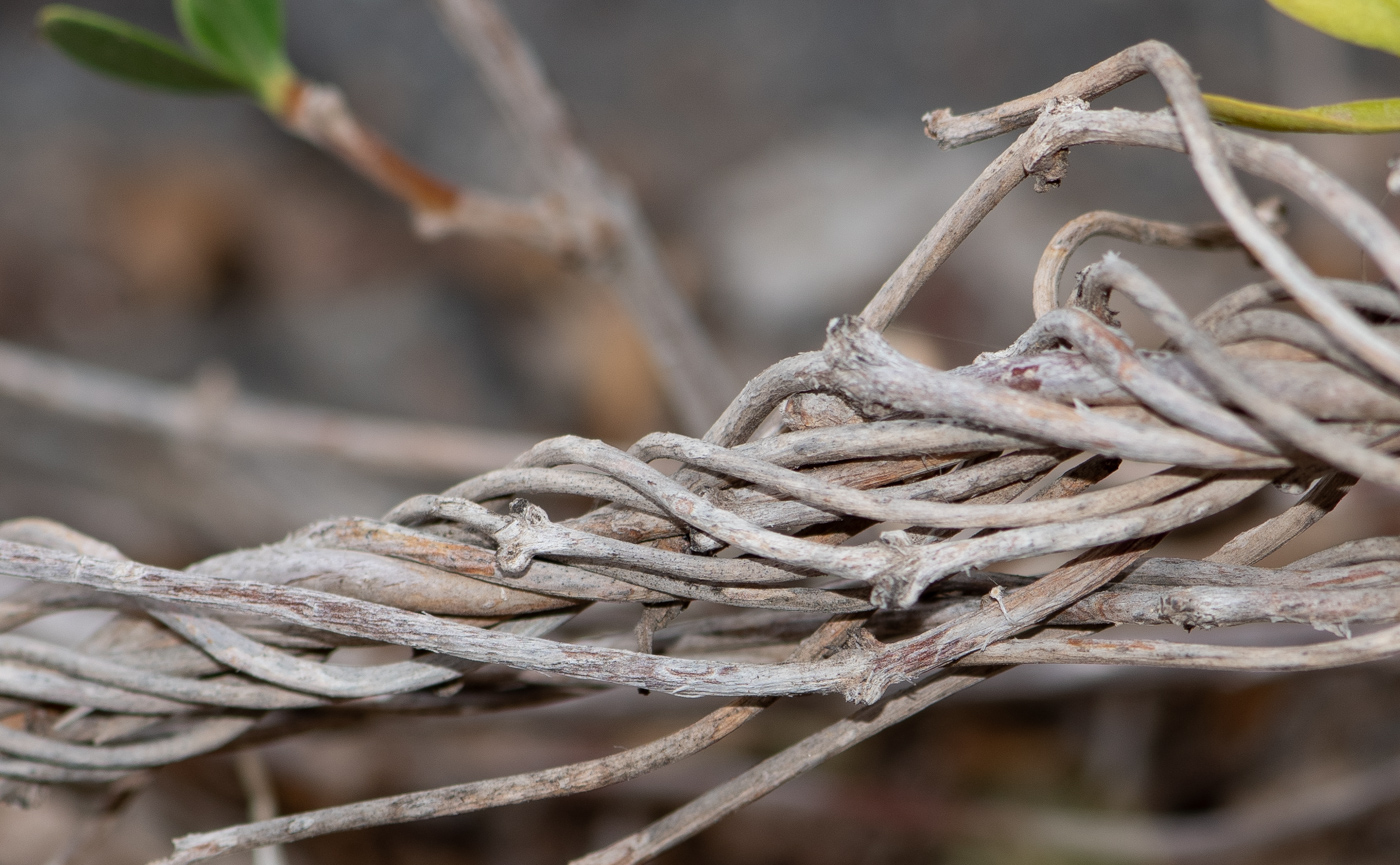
{"x":90,"y":832}
{"x":584,"y":216}
{"x":319,"y":114}
{"x":619,"y":249}
{"x":213,"y":412}
{"x":262,"y":801}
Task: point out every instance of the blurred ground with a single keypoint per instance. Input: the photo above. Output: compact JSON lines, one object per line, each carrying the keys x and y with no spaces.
{"x":777,"y":148}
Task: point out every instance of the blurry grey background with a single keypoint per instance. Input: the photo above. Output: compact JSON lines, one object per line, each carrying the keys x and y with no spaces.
{"x":777,"y":148}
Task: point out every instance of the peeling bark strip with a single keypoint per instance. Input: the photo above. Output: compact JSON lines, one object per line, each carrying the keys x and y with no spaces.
{"x":1008,"y":458}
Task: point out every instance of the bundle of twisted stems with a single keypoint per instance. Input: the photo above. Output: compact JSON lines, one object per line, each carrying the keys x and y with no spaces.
{"x":855,"y":543}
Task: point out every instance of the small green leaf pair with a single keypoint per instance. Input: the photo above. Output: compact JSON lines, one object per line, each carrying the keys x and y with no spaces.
{"x":1372,"y":23}
{"x":238,"y":46}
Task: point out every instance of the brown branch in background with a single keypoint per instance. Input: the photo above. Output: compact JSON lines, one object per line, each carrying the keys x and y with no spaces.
{"x":583,"y":216}
{"x":213,"y":412}
{"x":319,"y":114}
{"x":618,"y":247}
{"x":586,"y":215}
{"x":262,"y":801}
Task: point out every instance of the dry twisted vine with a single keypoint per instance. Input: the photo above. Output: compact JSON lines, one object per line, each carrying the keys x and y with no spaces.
{"x":966,"y":469}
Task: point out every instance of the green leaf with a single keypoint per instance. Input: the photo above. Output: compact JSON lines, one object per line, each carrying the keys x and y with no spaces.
{"x":1372,"y":23}
{"x":1365,"y":116}
{"x":244,"y":39}
{"x":130,"y":53}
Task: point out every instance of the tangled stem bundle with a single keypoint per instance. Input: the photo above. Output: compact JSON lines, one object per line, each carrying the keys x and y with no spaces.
{"x":1293,"y":382}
